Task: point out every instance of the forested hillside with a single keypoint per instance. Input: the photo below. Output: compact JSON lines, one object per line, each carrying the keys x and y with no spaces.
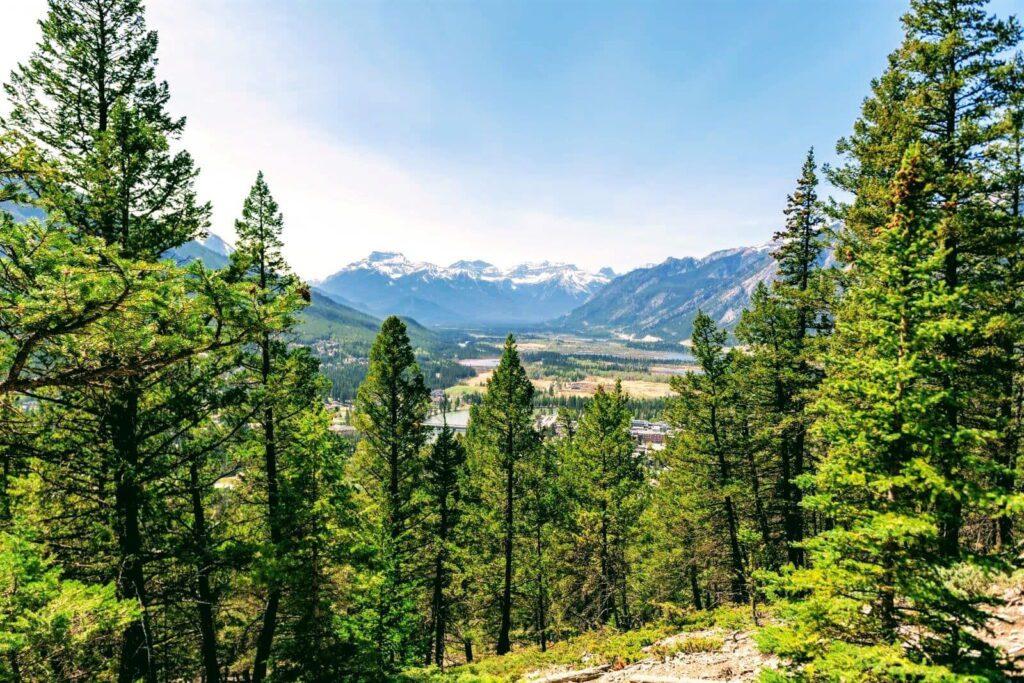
{"x":840,"y":493}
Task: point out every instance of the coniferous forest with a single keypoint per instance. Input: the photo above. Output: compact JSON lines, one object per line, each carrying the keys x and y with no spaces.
{"x":844,"y":467}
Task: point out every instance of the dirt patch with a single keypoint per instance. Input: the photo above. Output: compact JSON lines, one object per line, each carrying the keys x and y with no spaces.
{"x":682,"y":658}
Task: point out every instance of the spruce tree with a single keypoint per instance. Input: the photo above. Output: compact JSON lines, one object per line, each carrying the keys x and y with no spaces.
{"x":444,"y":475}
{"x":610,"y":490}
{"x":502,"y":439}
{"x":391,"y":407}
{"x":882,"y":570}
{"x":944,"y":89}
{"x":783,"y":328}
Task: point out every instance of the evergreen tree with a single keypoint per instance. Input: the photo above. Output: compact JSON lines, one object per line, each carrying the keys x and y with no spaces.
{"x":285,"y":379}
{"x":882,"y":570}
{"x":444,"y":478}
{"x":502,"y":440}
{"x":390,"y":409}
{"x":1006,"y":353}
{"x":702,"y":454}
{"x":609,"y":488}
{"x":783,"y":329}
{"x":90,"y":101}
{"x":943,"y":89}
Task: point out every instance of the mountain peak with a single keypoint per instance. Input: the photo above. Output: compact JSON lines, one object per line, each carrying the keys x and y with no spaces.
{"x":467,"y":290}
{"x":217,"y":244}
{"x":476,"y":267}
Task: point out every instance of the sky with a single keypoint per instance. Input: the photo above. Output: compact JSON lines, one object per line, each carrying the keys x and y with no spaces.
{"x":596,"y":133}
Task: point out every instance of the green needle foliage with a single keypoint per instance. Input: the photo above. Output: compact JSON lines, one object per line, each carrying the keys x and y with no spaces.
{"x":504,"y":443}
{"x":175,"y":503}
{"x":390,"y":409}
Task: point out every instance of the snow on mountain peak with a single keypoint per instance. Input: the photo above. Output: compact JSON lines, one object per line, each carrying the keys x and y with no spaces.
{"x":395,"y":265}
{"x":216,"y":244}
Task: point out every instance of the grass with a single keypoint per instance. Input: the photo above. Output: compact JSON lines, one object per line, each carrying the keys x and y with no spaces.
{"x":590,"y":649}
{"x":598,"y":647}
{"x":689,"y":645}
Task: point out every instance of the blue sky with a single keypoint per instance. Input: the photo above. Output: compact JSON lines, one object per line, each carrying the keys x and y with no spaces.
{"x":591,"y":132}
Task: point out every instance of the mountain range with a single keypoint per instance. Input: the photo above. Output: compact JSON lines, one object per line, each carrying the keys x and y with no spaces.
{"x":654,"y":303}
{"x":465,"y":293}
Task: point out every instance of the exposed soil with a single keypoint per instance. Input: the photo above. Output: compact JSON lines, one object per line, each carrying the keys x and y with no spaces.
{"x":737,"y":661}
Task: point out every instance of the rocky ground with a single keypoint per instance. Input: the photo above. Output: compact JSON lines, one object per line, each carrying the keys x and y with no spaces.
{"x":738,"y":660}
{"x":1008,"y":625}
{"x":671,"y":661}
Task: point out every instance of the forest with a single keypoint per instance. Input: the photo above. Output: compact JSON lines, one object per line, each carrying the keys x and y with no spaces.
{"x":174,"y":505}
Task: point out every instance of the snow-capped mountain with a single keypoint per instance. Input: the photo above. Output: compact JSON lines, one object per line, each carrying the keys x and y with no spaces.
{"x":217,"y":244}
{"x":465,"y":292}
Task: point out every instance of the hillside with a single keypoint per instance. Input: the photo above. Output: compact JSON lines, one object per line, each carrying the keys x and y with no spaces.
{"x":325,"y":317}
{"x":661,"y":300}
{"x":463,"y":293}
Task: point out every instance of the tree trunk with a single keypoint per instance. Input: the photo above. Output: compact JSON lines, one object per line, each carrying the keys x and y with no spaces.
{"x":207,"y":628}
{"x":542,"y":626}
{"x":695,"y":588}
{"x":438,"y":612}
{"x":265,"y":638}
{"x":136,"y":660}
{"x":504,"y":643}
{"x":739,"y":587}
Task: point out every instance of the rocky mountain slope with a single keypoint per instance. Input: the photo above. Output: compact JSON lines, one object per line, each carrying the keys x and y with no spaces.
{"x":660,"y":301}
{"x":463,"y":293}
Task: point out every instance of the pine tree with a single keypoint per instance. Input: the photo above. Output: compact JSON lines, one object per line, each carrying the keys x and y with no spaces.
{"x":444,"y":476}
{"x":286,"y":385}
{"x":310,"y":645}
{"x":502,"y":439}
{"x":1006,"y":354}
{"x":882,"y":570}
{"x":610,"y":492}
{"x":89,"y":99}
{"x":391,"y":407}
{"x":702,"y":454}
{"x":783,"y":329}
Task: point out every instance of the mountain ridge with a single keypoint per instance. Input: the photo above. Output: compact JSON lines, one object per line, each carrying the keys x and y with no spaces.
{"x":466,"y":292}
{"x":659,"y":301}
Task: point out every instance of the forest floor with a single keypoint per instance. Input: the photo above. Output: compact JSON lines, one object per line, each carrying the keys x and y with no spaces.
{"x":704,"y":655}
{"x":714,"y":646}
{"x":1008,"y":623}
{"x":710,"y":646}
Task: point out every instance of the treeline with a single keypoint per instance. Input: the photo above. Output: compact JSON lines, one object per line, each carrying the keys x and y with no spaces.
{"x":556,"y":363}
{"x":640,"y":408}
{"x":345,"y":378}
{"x":175,"y":505}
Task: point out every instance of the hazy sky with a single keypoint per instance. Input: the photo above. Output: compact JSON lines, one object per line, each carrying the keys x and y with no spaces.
{"x":591,"y":132}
